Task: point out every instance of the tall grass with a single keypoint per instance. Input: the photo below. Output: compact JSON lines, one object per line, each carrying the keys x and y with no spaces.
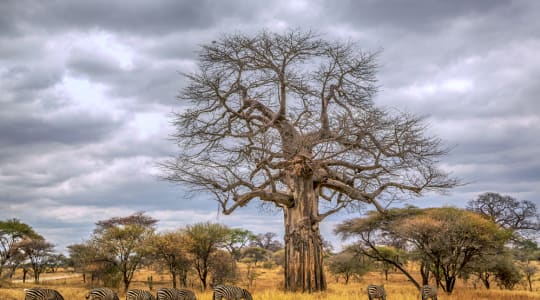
{"x":268,"y":283}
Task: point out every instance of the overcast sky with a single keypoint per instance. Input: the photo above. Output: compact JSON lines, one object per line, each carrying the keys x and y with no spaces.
{"x":87,"y":89}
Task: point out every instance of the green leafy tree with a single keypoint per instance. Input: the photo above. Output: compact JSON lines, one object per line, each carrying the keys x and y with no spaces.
{"x":288,"y":119}
{"x":527,"y":252}
{"x":90,"y":258}
{"x":82,"y":258}
{"x":12,"y":232}
{"x":255,"y":255}
{"x":38,"y":252}
{"x":374,"y":234}
{"x":348,"y":264}
{"x":390,"y":253}
{"x":206,"y":239}
{"x":507,"y":273}
{"x":447,"y":239}
{"x":236,"y":240}
{"x":123,"y":240}
{"x":278,"y":257}
{"x":221,"y":268}
{"x":451,"y":238}
{"x":171,"y":249}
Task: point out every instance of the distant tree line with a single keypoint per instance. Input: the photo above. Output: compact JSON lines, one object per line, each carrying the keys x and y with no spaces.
{"x":207,"y":251}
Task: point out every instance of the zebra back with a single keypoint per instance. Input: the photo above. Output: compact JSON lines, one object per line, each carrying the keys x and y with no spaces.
{"x":175,"y":294}
{"x":139,"y":295}
{"x":428,"y":291}
{"x":42,"y":294}
{"x":231,"y":293}
{"x":376,"y":292}
{"x":102,"y":294}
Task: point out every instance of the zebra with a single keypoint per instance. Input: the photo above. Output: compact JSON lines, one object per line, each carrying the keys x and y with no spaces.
{"x":231,"y":293}
{"x":376,"y":292}
{"x":102,"y":294}
{"x":428,"y":291}
{"x":42,"y":294}
{"x":139,"y":295}
{"x":175,"y":294}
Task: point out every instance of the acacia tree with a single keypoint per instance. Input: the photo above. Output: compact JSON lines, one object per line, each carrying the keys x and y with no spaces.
{"x":205,"y":240}
{"x":12,"y":233}
{"x":508,"y":212}
{"x":171,"y":248}
{"x":39,"y":252}
{"x":236,"y":240}
{"x":82,"y":258}
{"x":122,"y":241}
{"x":445,"y":239}
{"x":375,"y":236}
{"x":349,"y":265}
{"x":288,"y":119}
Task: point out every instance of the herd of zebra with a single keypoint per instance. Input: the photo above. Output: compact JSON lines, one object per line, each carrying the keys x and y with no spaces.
{"x":220,"y":291}
{"x":378,"y":292}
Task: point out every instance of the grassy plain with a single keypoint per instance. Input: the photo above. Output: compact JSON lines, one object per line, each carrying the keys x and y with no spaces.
{"x":267,"y":286}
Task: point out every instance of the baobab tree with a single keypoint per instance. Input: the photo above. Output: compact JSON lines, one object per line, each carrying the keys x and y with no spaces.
{"x":288,"y":119}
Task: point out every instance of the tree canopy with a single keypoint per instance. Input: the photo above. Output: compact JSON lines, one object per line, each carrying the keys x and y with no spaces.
{"x":122,"y":241}
{"x":12,"y":233}
{"x":445,"y":239}
{"x":288,"y":119}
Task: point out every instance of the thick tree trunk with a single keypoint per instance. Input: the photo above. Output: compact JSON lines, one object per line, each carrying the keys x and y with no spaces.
{"x":303,"y":245}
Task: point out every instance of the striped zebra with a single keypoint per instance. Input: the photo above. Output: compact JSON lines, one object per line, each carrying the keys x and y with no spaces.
{"x":102,"y":294}
{"x":42,"y":294}
{"x":175,"y":294}
{"x":428,"y":291}
{"x":139,"y":295}
{"x":231,"y":293}
{"x":376,"y":292}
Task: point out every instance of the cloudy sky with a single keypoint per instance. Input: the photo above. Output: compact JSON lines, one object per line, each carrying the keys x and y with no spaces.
{"x":87,"y":89}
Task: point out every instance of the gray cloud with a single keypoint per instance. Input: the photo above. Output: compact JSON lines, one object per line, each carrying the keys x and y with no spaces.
{"x":137,"y":18}
{"x":87,"y":89}
{"x":75,"y":129}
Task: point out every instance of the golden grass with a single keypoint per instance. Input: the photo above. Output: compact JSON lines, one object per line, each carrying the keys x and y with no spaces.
{"x":268,"y":283}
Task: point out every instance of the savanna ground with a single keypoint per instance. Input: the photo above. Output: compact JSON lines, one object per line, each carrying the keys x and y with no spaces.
{"x":267,"y":286}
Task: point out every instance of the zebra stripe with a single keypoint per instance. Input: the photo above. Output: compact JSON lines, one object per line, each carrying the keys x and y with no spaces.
{"x":42,"y":294}
{"x":175,"y":294}
{"x":102,"y":294}
{"x":231,"y":293}
{"x":139,"y":295}
{"x":376,"y":292}
{"x":428,"y":292}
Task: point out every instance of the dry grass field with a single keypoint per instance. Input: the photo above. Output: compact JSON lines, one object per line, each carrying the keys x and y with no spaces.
{"x":267,"y":286}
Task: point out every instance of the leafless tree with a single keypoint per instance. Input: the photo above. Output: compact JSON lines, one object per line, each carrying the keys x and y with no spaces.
{"x":520,"y":216}
{"x":267,"y":241}
{"x":288,"y":119}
